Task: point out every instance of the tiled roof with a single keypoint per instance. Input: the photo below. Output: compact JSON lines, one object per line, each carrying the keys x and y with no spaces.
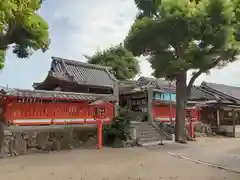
{"x":166,"y":85}
{"x":81,"y":73}
{"x":25,"y":93}
{"x":159,"y":83}
{"x":126,"y":86}
{"x":143,"y":81}
{"x":207,"y":91}
{"x":218,"y":92}
{"x":197,"y":93}
{"x":230,"y":91}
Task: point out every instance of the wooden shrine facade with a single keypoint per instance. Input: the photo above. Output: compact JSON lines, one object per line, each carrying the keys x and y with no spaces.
{"x":153,"y":99}
{"x":79,"y":77}
{"x":73,"y":95}
{"x":219,"y":105}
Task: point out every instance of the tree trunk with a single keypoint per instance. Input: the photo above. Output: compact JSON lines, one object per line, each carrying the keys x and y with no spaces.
{"x":191,"y":82}
{"x":181,"y":89}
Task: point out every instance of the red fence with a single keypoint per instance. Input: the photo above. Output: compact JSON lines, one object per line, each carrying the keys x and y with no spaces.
{"x":162,"y":113}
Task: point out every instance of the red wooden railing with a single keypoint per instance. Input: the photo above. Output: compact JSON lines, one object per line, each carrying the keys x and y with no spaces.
{"x":36,"y":113}
{"x":56,"y":113}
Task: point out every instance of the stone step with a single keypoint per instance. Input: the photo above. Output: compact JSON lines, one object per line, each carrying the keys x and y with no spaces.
{"x":152,"y":143}
{"x":148,"y":133}
{"x":151,"y":138}
{"x":146,"y":128}
{"x":145,"y":124}
{"x":148,"y":139}
{"x":156,"y":144}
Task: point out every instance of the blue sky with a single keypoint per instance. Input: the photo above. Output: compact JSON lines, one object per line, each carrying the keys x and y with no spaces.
{"x":80,"y":27}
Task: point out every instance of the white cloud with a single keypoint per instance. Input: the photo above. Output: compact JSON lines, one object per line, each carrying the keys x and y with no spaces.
{"x":97,"y":24}
{"x":80,"y":27}
{"x":228,"y":75}
{"x":101,"y":23}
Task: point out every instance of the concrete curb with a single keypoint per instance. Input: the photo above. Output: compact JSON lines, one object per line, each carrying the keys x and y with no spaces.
{"x":205,"y":163}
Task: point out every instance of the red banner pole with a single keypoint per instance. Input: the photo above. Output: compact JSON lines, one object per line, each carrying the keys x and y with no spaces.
{"x":100,"y":124}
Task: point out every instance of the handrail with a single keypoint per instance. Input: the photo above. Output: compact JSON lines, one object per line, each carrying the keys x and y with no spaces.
{"x":165,"y":133}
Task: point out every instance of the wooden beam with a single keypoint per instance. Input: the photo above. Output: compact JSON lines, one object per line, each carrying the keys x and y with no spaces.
{"x":218,"y":118}
{"x":234,"y":115}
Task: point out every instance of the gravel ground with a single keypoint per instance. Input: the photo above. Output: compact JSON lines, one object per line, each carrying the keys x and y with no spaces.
{"x":108,"y":164}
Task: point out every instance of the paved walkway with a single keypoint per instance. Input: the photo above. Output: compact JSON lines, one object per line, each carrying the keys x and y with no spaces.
{"x":108,"y":164}
{"x":230,"y":161}
{"x":224,"y":152}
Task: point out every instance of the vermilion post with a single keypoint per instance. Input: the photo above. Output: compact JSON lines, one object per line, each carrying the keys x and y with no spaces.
{"x":100,"y":124}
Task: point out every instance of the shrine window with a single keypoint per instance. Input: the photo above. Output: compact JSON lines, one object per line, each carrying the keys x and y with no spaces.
{"x":228,"y":115}
{"x":100,"y":111}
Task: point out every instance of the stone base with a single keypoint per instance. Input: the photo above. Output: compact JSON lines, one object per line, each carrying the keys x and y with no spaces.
{"x":20,"y":144}
{"x":228,"y":130}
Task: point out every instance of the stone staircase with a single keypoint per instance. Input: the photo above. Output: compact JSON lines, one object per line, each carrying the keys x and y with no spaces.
{"x":149,"y":135}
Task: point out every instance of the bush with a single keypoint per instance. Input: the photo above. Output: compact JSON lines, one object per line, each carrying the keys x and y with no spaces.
{"x":117,"y":133}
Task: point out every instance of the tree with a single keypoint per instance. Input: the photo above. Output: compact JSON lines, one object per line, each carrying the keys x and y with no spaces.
{"x":22,"y":28}
{"x":182,"y":35}
{"x":124,"y":65}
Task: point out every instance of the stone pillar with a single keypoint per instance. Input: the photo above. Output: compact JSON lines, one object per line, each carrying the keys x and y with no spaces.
{"x":42,"y":139}
{"x":116,"y":95}
{"x":150,"y":105}
{"x":19,"y":144}
{"x":67,"y":140}
{"x":218,"y":118}
{"x":133,"y":133}
{"x":234,"y":115}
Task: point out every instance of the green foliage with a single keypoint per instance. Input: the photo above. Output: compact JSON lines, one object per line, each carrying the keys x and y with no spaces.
{"x":118,"y":130}
{"x":2,"y":58}
{"x":124,"y":65}
{"x":147,"y":8}
{"x":181,"y":35}
{"x":22,"y":27}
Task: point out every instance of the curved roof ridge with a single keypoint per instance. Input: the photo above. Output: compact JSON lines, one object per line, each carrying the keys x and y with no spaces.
{"x":226,"y":85}
{"x":79,"y":63}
